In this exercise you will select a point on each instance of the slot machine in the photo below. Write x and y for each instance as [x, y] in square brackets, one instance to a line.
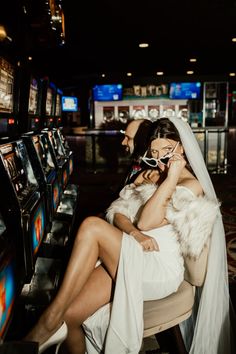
[22, 201]
[18, 300]
[61, 140]
[62, 160]
[47, 177]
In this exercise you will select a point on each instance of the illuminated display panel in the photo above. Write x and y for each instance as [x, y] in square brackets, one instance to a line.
[6, 86]
[7, 294]
[58, 105]
[16, 161]
[33, 97]
[71, 165]
[55, 195]
[69, 104]
[49, 101]
[111, 92]
[185, 90]
[65, 177]
[38, 225]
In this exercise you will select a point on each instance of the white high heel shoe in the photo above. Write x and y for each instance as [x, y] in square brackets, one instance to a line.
[56, 339]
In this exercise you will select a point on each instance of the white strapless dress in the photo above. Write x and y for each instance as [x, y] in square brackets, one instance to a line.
[141, 276]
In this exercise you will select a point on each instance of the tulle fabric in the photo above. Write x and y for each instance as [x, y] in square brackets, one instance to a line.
[207, 331]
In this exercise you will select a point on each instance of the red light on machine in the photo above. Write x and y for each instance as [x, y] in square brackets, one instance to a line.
[11, 121]
[36, 120]
[51, 119]
[59, 119]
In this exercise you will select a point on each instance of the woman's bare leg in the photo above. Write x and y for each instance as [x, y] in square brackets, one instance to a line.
[95, 239]
[95, 293]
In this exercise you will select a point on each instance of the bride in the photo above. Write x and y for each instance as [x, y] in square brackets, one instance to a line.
[144, 261]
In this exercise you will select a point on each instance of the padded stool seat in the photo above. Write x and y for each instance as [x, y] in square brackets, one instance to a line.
[162, 314]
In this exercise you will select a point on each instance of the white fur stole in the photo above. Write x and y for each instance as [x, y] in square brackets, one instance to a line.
[193, 218]
[130, 202]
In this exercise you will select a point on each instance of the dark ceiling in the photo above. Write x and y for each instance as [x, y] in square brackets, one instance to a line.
[103, 36]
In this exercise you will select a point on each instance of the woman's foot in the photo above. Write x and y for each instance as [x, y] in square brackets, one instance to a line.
[41, 332]
[56, 339]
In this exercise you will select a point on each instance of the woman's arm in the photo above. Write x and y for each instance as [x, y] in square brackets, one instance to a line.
[124, 224]
[154, 211]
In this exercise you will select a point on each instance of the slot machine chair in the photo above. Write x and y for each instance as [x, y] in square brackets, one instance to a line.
[163, 314]
[169, 312]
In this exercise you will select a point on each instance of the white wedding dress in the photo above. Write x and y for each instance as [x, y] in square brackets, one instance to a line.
[117, 328]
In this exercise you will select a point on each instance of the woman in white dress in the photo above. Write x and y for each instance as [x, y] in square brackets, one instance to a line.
[144, 261]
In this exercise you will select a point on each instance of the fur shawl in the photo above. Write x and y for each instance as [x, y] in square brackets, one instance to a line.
[192, 217]
[130, 202]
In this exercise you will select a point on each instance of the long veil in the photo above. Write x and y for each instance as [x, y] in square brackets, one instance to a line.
[207, 331]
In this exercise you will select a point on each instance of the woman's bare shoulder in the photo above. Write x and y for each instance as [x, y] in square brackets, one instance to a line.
[194, 185]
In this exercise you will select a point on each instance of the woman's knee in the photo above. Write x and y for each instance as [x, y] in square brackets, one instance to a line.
[91, 226]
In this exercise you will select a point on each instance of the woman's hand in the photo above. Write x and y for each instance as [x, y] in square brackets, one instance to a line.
[148, 243]
[147, 176]
[175, 165]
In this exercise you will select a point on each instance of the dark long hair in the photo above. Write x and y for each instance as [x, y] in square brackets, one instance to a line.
[141, 139]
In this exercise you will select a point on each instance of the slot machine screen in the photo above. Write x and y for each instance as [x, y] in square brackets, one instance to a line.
[55, 195]
[38, 225]
[16, 161]
[49, 101]
[43, 154]
[33, 97]
[7, 293]
[58, 105]
[6, 86]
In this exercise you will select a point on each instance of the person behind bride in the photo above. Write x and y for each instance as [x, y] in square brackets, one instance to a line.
[141, 256]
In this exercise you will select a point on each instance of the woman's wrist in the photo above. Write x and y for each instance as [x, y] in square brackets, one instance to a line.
[134, 232]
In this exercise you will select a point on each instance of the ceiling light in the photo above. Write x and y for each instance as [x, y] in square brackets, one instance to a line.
[232, 74]
[143, 45]
[190, 72]
[234, 39]
[160, 73]
[129, 74]
[103, 75]
[192, 60]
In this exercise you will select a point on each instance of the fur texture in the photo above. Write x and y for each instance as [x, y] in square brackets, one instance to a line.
[192, 217]
[130, 202]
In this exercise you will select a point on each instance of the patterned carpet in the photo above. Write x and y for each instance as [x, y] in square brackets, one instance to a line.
[225, 186]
